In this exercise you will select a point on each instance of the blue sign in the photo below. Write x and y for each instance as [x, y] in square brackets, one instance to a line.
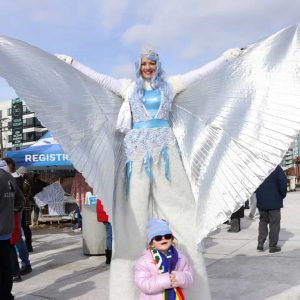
[92, 200]
[44, 153]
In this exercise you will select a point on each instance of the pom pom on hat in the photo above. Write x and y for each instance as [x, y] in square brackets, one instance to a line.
[157, 227]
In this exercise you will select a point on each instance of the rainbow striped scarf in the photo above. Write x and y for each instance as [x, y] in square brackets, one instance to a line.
[167, 264]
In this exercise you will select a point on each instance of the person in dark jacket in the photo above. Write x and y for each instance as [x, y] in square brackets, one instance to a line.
[18, 208]
[270, 195]
[26, 215]
[7, 203]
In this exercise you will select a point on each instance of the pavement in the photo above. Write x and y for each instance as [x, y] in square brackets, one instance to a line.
[235, 269]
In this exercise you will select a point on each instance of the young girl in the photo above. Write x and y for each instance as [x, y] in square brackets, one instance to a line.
[162, 271]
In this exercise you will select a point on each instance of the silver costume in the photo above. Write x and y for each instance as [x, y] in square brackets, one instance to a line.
[232, 124]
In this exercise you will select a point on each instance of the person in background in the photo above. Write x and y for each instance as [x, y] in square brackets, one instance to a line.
[36, 187]
[7, 202]
[103, 217]
[270, 195]
[78, 219]
[26, 215]
[18, 208]
[235, 220]
[20, 245]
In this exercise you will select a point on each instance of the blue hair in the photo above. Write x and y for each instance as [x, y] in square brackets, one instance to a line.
[157, 81]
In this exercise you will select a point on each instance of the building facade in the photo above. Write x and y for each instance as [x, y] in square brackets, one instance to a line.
[31, 128]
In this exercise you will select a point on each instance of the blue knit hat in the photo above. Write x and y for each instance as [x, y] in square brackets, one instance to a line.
[157, 227]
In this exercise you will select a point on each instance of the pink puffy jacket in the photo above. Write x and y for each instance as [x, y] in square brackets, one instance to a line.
[152, 283]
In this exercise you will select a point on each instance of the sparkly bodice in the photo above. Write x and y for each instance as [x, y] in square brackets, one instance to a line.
[153, 99]
[148, 141]
[144, 140]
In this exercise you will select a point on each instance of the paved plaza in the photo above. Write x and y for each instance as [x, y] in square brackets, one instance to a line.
[235, 269]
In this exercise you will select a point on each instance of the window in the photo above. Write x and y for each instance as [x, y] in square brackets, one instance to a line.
[28, 122]
[10, 138]
[9, 112]
[38, 135]
[28, 136]
[26, 110]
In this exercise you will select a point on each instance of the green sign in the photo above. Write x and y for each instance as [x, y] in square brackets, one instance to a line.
[17, 121]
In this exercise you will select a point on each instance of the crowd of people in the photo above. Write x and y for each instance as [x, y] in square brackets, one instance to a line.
[18, 213]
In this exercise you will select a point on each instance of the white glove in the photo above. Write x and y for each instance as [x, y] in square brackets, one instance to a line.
[67, 59]
[232, 53]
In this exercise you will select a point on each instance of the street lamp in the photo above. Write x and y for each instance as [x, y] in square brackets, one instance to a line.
[1, 140]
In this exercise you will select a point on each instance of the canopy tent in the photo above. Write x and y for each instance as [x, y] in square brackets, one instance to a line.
[45, 153]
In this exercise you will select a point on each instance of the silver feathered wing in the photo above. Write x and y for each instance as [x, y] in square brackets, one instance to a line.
[80, 113]
[235, 125]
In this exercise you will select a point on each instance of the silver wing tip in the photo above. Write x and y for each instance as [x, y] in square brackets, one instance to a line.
[5, 41]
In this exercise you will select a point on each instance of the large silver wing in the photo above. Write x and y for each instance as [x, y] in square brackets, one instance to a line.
[234, 126]
[80, 113]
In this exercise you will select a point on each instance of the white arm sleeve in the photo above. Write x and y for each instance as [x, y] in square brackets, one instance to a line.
[110, 83]
[192, 76]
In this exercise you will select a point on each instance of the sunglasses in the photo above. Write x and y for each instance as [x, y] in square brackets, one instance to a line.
[158, 238]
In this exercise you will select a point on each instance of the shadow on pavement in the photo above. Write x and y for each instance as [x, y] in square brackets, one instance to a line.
[255, 277]
[69, 286]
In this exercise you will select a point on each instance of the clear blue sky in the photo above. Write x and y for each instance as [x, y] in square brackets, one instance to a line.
[108, 35]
